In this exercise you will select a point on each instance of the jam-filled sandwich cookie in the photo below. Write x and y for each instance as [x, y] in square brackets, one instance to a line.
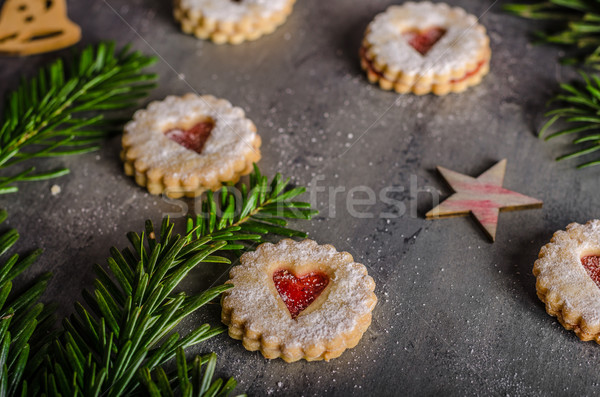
[425, 47]
[568, 278]
[298, 300]
[186, 145]
[231, 21]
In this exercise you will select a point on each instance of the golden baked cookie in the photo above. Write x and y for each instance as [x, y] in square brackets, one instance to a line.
[568, 278]
[231, 21]
[425, 47]
[186, 145]
[298, 300]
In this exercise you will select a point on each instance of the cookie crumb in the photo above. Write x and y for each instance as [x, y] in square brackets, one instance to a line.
[55, 190]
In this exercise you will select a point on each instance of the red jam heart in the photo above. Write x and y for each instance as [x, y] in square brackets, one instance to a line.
[194, 138]
[592, 265]
[424, 40]
[299, 292]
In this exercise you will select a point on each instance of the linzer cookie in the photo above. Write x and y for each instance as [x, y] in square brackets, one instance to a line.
[425, 47]
[298, 300]
[231, 21]
[568, 278]
[186, 145]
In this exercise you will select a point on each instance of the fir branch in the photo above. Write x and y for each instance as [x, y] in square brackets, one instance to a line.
[188, 380]
[119, 339]
[244, 217]
[578, 108]
[56, 112]
[24, 322]
[574, 23]
[129, 317]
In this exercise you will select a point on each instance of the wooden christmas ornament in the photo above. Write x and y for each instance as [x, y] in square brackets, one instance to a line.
[36, 26]
[483, 197]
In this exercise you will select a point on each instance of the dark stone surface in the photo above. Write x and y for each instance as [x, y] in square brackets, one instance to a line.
[456, 314]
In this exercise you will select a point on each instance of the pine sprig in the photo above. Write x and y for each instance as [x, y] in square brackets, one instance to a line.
[127, 325]
[243, 217]
[188, 380]
[24, 322]
[119, 338]
[61, 111]
[578, 108]
[574, 23]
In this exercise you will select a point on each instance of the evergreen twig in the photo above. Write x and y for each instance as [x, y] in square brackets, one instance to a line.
[188, 380]
[574, 23]
[578, 106]
[119, 339]
[128, 322]
[244, 217]
[61, 110]
[24, 322]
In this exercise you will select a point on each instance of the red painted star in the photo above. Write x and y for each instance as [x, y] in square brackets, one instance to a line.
[483, 197]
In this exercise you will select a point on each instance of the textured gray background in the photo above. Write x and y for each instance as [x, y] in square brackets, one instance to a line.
[456, 314]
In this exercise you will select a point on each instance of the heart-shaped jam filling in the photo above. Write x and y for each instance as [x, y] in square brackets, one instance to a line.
[299, 292]
[424, 40]
[591, 263]
[193, 138]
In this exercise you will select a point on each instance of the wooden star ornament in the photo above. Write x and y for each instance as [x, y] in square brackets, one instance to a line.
[483, 197]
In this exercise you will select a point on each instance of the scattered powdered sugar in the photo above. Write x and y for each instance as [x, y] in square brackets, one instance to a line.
[55, 190]
[256, 303]
[231, 138]
[563, 278]
[462, 43]
[229, 10]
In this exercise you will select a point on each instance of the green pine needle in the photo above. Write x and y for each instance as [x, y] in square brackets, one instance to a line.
[25, 323]
[126, 325]
[61, 110]
[578, 110]
[244, 217]
[573, 23]
[188, 380]
[117, 341]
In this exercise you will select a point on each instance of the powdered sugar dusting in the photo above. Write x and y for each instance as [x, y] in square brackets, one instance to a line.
[349, 294]
[231, 138]
[562, 277]
[228, 10]
[462, 43]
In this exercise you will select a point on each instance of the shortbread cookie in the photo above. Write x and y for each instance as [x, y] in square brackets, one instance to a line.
[186, 145]
[568, 278]
[298, 300]
[425, 47]
[231, 21]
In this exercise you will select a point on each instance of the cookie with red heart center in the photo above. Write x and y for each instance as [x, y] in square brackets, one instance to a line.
[425, 47]
[298, 300]
[186, 145]
[231, 21]
[568, 278]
